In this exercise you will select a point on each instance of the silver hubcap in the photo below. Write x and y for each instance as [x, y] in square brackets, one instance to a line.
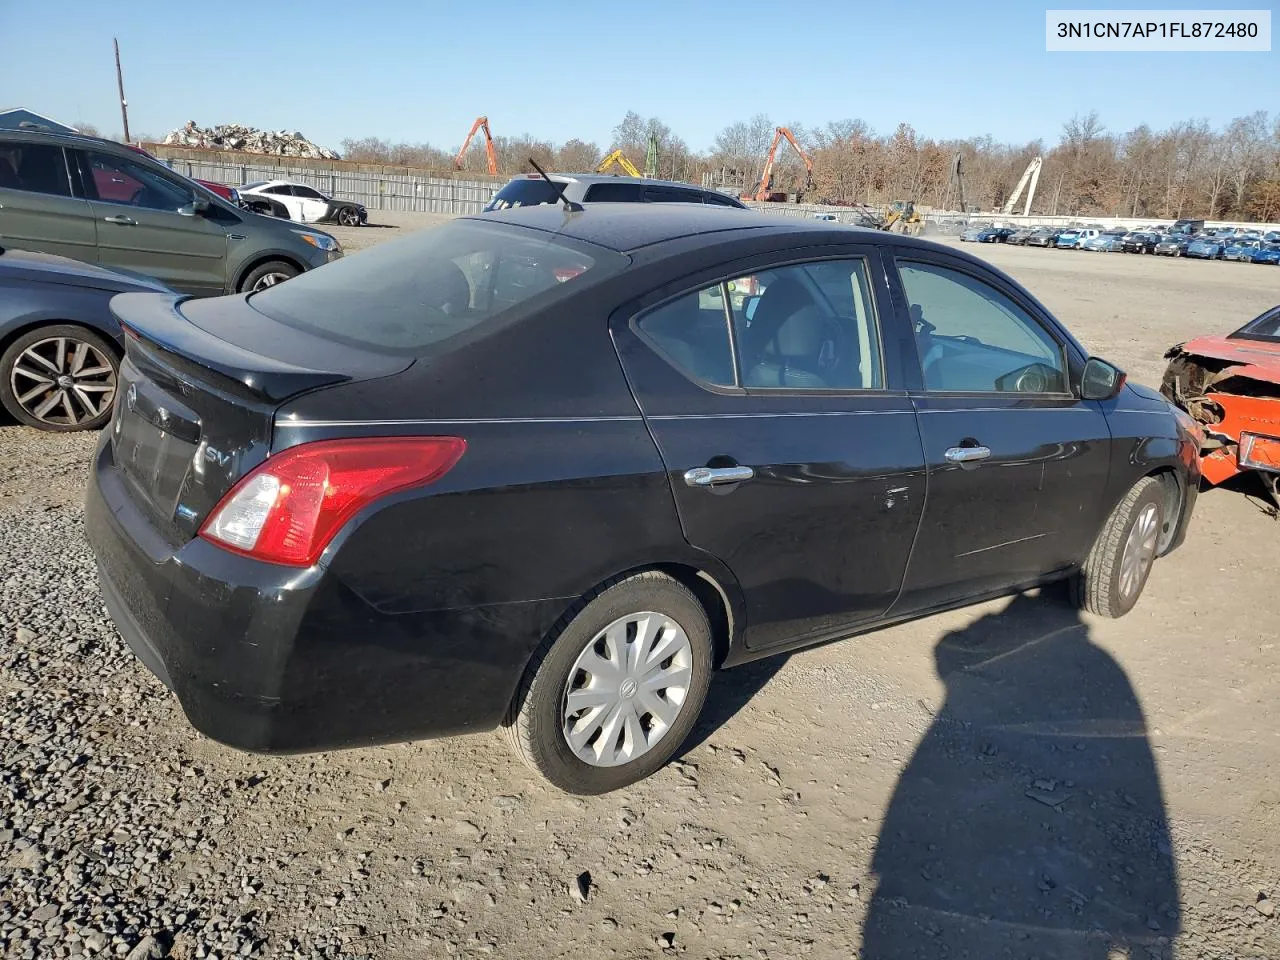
[269, 280]
[348, 218]
[626, 689]
[63, 381]
[1139, 550]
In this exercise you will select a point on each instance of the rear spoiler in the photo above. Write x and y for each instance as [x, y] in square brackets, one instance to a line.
[155, 321]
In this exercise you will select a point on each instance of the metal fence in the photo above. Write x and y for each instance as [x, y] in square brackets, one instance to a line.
[409, 193]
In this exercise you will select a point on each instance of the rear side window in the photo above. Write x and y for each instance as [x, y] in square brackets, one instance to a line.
[808, 326]
[416, 295]
[671, 195]
[721, 200]
[36, 167]
[614, 193]
[524, 193]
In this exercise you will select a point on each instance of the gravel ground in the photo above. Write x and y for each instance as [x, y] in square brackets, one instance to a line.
[884, 794]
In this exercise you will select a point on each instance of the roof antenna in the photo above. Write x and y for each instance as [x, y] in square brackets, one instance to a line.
[569, 205]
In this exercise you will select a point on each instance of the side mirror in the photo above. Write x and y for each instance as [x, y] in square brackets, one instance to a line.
[1100, 380]
[195, 208]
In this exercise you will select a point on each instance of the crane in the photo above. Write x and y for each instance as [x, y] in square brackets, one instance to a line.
[621, 160]
[482, 123]
[1032, 173]
[762, 192]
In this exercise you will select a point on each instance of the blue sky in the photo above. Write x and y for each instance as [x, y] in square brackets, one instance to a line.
[421, 71]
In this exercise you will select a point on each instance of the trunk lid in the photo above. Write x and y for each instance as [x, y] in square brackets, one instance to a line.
[197, 396]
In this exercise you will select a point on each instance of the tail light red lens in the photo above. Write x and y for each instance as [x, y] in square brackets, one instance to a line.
[290, 508]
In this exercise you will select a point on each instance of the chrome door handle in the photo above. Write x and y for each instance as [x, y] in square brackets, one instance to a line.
[715, 476]
[967, 454]
[123, 221]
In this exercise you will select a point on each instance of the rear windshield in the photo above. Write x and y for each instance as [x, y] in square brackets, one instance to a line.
[420, 294]
[1265, 327]
[524, 193]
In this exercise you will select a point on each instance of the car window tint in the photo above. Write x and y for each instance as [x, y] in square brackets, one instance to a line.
[973, 338]
[720, 200]
[279, 191]
[37, 167]
[671, 195]
[807, 326]
[693, 333]
[613, 193]
[525, 193]
[417, 295]
[306, 193]
[119, 180]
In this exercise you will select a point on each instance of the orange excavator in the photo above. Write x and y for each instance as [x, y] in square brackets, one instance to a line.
[763, 189]
[482, 123]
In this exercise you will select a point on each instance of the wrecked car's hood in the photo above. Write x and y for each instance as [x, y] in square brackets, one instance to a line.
[1261, 359]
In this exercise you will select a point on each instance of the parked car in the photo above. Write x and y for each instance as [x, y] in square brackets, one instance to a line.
[1272, 236]
[972, 233]
[1105, 243]
[531, 190]
[307, 204]
[995, 234]
[153, 221]
[1241, 248]
[1266, 253]
[1189, 227]
[1205, 247]
[1231, 386]
[1173, 245]
[1020, 236]
[1075, 238]
[1138, 241]
[1043, 237]
[334, 538]
[60, 347]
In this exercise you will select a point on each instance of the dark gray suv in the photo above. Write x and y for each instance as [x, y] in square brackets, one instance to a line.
[530, 190]
[101, 202]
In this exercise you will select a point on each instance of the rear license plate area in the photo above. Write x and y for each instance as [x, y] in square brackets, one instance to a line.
[154, 439]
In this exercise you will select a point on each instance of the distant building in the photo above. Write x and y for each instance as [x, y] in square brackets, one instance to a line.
[17, 118]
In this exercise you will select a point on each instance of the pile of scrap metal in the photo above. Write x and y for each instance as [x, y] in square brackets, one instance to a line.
[1231, 386]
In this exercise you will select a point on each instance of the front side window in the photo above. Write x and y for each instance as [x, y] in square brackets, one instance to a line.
[974, 339]
[614, 193]
[802, 326]
[35, 167]
[306, 193]
[118, 180]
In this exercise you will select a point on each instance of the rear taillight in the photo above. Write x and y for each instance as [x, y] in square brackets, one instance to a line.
[289, 508]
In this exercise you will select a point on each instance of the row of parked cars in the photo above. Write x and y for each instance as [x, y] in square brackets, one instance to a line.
[1227, 243]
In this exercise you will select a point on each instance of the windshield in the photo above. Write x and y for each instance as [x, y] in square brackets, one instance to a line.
[255, 184]
[412, 296]
[1265, 327]
[524, 193]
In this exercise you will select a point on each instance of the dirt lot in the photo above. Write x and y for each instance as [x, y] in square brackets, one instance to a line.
[1012, 780]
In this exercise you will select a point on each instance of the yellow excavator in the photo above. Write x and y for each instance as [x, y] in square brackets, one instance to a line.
[904, 213]
[621, 160]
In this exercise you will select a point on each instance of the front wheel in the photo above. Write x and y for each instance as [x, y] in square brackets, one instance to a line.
[349, 217]
[613, 693]
[267, 275]
[1120, 561]
[59, 378]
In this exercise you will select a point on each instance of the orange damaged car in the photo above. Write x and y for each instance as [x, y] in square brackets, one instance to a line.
[1231, 386]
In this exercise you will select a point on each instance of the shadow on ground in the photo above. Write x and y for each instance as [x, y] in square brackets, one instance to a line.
[731, 690]
[1030, 822]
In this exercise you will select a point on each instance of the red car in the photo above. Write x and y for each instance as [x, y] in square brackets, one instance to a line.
[1231, 386]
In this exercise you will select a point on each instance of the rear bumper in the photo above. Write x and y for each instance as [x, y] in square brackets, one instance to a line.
[274, 659]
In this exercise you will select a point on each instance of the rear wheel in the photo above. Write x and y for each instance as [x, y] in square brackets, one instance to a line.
[267, 275]
[614, 691]
[60, 378]
[1117, 567]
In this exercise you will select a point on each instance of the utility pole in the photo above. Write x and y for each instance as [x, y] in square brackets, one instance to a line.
[124, 105]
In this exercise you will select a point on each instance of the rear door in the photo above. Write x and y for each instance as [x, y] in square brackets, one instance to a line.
[773, 395]
[1018, 464]
[141, 229]
[38, 207]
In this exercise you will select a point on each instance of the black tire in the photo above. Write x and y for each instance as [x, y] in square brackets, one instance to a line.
[57, 420]
[257, 277]
[1097, 587]
[348, 217]
[535, 716]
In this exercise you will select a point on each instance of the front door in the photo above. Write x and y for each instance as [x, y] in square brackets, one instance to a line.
[791, 450]
[38, 210]
[1017, 463]
[141, 229]
[311, 203]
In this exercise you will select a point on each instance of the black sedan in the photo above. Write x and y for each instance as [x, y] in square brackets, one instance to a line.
[548, 470]
[1173, 245]
[1042, 237]
[60, 346]
[1139, 241]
